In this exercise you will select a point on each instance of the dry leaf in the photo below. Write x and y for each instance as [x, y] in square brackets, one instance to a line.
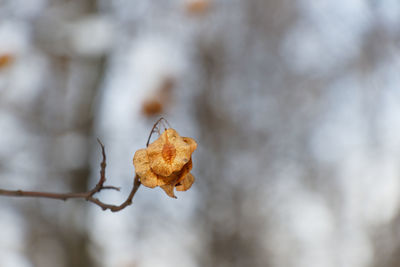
[152, 107]
[197, 7]
[6, 60]
[158, 102]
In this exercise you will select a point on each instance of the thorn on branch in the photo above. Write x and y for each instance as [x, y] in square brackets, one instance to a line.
[112, 187]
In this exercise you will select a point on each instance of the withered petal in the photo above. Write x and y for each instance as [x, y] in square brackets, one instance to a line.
[175, 177]
[162, 180]
[160, 167]
[141, 162]
[169, 153]
[186, 183]
[169, 190]
[191, 142]
[149, 180]
[142, 168]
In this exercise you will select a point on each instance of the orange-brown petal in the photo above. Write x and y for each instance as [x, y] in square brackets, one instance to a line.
[142, 169]
[186, 183]
[169, 153]
[191, 142]
[169, 190]
[159, 167]
[175, 177]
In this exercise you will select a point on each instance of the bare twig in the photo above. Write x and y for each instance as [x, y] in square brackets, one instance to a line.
[156, 129]
[89, 195]
[85, 195]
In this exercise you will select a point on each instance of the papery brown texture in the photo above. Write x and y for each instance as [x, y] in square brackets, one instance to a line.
[186, 183]
[142, 167]
[166, 162]
[168, 153]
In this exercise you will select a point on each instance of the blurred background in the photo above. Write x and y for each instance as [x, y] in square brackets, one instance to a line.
[295, 106]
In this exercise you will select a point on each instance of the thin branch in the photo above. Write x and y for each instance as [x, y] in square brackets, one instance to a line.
[88, 196]
[115, 208]
[156, 129]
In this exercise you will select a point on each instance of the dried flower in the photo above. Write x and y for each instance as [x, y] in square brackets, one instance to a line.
[166, 162]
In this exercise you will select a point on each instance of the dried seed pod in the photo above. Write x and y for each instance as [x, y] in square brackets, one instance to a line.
[169, 153]
[166, 162]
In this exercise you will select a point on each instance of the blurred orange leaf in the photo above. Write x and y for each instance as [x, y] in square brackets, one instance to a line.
[6, 60]
[157, 103]
[196, 7]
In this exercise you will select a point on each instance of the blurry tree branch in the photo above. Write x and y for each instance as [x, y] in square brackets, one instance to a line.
[88, 196]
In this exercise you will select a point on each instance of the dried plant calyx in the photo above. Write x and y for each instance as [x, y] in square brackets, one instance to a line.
[166, 162]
